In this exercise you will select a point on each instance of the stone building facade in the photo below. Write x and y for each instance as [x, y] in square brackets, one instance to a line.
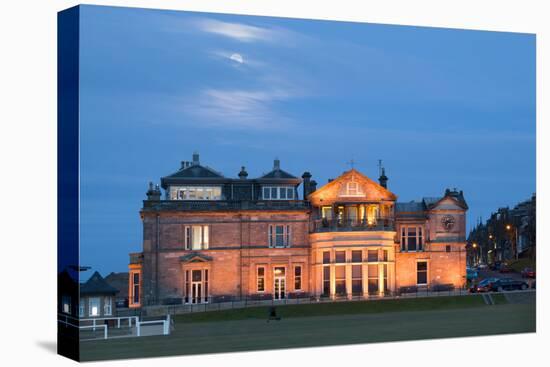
[210, 238]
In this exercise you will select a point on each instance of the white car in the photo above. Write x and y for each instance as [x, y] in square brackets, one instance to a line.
[482, 266]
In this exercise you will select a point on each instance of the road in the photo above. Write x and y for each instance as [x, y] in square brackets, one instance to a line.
[486, 273]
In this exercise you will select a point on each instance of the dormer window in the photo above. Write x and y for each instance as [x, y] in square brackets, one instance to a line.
[277, 193]
[195, 193]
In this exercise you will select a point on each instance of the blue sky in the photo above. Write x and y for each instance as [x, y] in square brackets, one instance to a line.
[442, 108]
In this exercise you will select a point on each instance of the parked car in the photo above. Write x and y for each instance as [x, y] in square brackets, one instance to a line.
[483, 286]
[528, 273]
[471, 274]
[505, 269]
[508, 284]
[495, 266]
[482, 266]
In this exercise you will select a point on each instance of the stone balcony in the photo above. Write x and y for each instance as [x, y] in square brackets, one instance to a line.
[349, 225]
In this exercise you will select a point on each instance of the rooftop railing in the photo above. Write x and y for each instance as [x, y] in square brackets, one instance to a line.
[176, 205]
[347, 225]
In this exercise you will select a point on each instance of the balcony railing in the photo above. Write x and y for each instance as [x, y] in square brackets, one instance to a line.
[347, 225]
[177, 205]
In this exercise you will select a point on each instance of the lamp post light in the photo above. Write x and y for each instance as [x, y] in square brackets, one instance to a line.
[474, 246]
[515, 240]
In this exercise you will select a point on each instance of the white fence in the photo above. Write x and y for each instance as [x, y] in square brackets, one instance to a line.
[133, 322]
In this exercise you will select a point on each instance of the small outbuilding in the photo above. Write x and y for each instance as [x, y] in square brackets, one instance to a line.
[97, 298]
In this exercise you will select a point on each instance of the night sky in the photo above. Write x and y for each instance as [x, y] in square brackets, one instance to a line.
[442, 108]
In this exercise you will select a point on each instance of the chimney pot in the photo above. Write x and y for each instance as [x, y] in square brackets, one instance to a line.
[195, 159]
[276, 164]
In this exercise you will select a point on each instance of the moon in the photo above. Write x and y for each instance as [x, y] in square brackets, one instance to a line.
[237, 58]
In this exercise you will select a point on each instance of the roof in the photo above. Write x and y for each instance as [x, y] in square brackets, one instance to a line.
[278, 173]
[97, 285]
[429, 201]
[196, 171]
[118, 281]
[413, 206]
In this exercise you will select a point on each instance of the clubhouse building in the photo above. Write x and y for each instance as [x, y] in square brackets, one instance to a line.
[209, 238]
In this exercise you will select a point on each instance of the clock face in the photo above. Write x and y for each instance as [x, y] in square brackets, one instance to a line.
[448, 222]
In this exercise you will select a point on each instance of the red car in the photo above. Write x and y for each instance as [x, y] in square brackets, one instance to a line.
[528, 273]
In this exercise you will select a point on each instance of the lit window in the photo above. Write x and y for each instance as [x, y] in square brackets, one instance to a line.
[66, 304]
[260, 286]
[196, 237]
[326, 212]
[94, 304]
[277, 193]
[195, 193]
[279, 236]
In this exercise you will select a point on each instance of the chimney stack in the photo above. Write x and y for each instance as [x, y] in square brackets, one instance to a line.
[153, 193]
[383, 179]
[243, 174]
[276, 164]
[312, 186]
[195, 159]
[307, 183]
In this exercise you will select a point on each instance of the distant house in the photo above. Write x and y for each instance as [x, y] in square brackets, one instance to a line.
[120, 282]
[97, 298]
[67, 293]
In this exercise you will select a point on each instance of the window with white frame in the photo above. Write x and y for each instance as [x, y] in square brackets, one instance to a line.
[412, 238]
[93, 306]
[66, 304]
[195, 193]
[108, 306]
[279, 235]
[197, 237]
[278, 193]
[260, 279]
[422, 273]
[135, 288]
[353, 189]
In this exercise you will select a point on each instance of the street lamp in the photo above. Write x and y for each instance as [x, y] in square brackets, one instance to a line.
[474, 245]
[509, 227]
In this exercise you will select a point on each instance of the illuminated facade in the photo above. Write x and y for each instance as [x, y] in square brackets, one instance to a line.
[210, 238]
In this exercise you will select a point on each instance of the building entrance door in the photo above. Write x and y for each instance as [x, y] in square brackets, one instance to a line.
[196, 286]
[279, 282]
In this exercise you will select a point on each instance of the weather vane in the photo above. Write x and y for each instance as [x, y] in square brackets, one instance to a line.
[351, 163]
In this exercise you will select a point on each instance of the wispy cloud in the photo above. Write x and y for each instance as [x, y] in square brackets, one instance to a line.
[238, 31]
[239, 109]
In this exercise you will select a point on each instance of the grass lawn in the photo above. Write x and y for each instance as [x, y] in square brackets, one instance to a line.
[338, 308]
[340, 323]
